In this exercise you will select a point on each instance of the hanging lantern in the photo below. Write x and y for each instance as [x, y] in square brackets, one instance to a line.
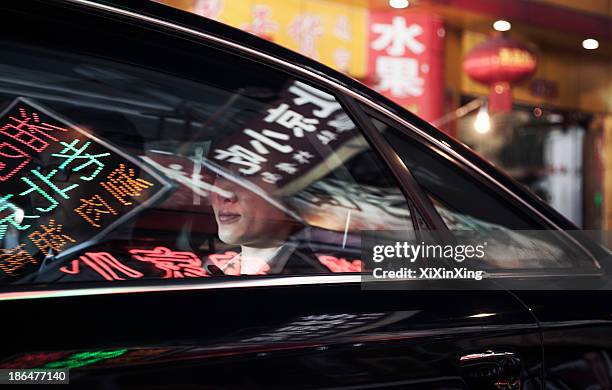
[500, 62]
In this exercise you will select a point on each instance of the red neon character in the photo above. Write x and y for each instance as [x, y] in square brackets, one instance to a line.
[104, 264]
[340, 265]
[19, 134]
[122, 184]
[29, 129]
[175, 264]
[12, 159]
[32, 360]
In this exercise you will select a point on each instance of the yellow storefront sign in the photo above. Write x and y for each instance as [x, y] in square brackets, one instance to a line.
[330, 31]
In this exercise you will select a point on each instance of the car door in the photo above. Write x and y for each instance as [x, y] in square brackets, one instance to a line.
[568, 296]
[109, 239]
[574, 315]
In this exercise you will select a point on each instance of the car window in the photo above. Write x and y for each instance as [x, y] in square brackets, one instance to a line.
[515, 239]
[111, 171]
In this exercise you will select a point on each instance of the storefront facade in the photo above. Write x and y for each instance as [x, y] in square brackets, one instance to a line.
[559, 128]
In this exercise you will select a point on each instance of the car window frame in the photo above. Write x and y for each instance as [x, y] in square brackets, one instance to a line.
[596, 270]
[406, 183]
[347, 98]
[397, 168]
[299, 72]
[326, 83]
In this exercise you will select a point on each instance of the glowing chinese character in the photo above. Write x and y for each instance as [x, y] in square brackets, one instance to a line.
[12, 159]
[395, 37]
[237, 154]
[50, 238]
[47, 180]
[15, 218]
[14, 259]
[266, 138]
[93, 209]
[29, 129]
[400, 76]
[326, 137]
[174, 264]
[289, 168]
[122, 184]
[302, 156]
[305, 29]
[342, 123]
[18, 133]
[291, 120]
[81, 155]
[270, 177]
[340, 265]
[105, 264]
[309, 95]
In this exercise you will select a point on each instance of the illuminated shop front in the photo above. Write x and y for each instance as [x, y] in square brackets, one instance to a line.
[546, 111]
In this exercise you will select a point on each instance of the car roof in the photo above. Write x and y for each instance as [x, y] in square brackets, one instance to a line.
[225, 32]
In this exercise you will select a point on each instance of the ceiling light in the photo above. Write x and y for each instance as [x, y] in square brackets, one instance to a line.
[482, 124]
[502, 25]
[399, 3]
[590, 44]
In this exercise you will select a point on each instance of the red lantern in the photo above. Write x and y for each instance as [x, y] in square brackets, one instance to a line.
[499, 63]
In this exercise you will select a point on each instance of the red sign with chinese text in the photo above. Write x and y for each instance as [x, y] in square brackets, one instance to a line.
[405, 60]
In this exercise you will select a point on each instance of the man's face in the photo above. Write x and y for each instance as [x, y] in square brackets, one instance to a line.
[247, 219]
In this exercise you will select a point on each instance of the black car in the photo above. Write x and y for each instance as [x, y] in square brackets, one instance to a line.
[183, 206]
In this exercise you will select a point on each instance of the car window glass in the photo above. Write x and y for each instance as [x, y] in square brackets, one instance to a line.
[113, 172]
[467, 205]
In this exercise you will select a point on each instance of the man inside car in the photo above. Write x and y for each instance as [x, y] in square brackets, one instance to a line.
[261, 228]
